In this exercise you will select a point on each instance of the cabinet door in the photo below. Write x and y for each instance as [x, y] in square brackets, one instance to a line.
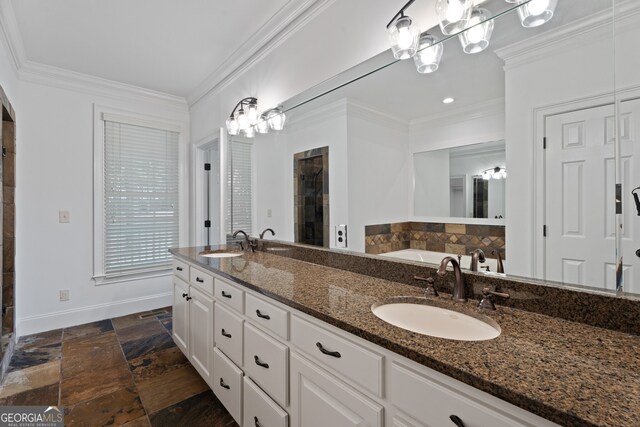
[179, 328]
[201, 333]
[320, 400]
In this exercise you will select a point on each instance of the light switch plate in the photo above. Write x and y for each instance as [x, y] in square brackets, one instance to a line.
[63, 217]
[341, 236]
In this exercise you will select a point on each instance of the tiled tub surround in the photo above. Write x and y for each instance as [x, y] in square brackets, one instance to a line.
[459, 239]
[570, 373]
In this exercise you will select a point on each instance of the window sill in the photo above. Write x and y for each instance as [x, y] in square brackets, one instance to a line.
[132, 276]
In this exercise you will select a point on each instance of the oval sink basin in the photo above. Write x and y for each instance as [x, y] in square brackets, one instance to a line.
[221, 254]
[437, 322]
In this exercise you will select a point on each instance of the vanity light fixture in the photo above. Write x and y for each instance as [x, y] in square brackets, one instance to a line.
[246, 119]
[448, 100]
[535, 12]
[404, 34]
[494, 173]
[428, 57]
[453, 15]
[477, 37]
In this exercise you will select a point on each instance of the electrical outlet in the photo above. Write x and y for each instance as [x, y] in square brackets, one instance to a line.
[341, 236]
[63, 217]
[64, 294]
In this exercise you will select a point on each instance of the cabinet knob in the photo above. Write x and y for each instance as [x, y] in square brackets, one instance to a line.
[179, 268]
[456, 420]
[259, 363]
[225, 334]
[184, 295]
[188, 298]
[257, 423]
[226, 295]
[262, 316]
[199, 280]
[327, 352]
[223, 385]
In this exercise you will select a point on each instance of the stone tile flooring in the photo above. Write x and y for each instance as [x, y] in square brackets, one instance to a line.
[123, 371]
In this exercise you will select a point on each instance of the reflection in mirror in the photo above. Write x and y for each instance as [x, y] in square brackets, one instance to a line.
[467, 181]
[538, 90]
[311, 196]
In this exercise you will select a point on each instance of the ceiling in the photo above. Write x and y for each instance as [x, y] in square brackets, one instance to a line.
[164, 45]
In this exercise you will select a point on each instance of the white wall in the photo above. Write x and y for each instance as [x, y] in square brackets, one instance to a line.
[8, 74]
[431, 183]
[55, 172]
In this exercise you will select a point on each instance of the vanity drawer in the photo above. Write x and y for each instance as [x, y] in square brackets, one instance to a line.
[227, 384]
[260, 410]
[425, 398]
[228, 333]
[337, 354]
[202, 280]
[266, 361]
[230, 295]
[181, 269]
[268, 315]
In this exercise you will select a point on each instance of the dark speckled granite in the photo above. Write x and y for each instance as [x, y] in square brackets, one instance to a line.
[568, 372]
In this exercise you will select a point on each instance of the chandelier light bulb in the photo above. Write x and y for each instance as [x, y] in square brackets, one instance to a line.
[249, 132]
[477, 37]
[276, 118]
[428, 57]
[252, 113]
[242, 119]
[262, 126]
[232, 126]
[453, 15]
[455, 11]
[536, 12]
[404, 36]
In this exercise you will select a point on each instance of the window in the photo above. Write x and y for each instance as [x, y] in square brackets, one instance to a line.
[137, 201]
[239, 187]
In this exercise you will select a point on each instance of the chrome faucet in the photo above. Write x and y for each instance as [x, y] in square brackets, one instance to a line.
[250, 243]
[499, 259]
[476, 256]
[273, 233]
[458, 285]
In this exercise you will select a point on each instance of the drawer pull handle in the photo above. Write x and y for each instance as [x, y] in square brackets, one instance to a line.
[259, 363]
[327, 352]
[456, 420]
[179, 268]
[188, 298]
[255, 419]
[184, 295]
[225, 334]
[223, 385]
[226, 295]
[262, 316]
[199, 280]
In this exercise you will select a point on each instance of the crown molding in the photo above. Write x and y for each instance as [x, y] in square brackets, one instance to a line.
[567, 36]
[48, 75]
[284, 24]
[493, 107]
[9, 29]
[358, 110]
[317, 115]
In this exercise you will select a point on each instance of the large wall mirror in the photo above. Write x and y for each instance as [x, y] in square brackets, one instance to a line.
[537, 103]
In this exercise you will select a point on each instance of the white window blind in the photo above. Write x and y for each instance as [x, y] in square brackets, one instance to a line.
[239, 188]
[141, 197]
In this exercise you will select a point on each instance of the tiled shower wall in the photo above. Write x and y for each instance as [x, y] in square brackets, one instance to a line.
[459, 239]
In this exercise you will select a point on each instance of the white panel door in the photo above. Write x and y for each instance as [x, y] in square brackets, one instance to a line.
[180, 329]
[580, 202]
[630, 170]
[201, 333]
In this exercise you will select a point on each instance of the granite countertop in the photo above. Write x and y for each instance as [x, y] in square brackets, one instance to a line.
[568, 372]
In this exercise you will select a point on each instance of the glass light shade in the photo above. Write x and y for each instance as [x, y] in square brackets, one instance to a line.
[252, 113]
[276, 119]
[453, 15]
[429, 55]
[404, 35]
[242, 119]
[476, 39]
[249, 132]
[262, 126]
[232, 126]
[486, 175]
[536, 12]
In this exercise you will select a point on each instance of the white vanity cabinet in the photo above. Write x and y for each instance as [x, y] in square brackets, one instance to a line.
[193, 317]
[275, 366]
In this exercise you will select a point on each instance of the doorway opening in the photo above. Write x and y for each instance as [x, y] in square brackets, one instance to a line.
[311, 196]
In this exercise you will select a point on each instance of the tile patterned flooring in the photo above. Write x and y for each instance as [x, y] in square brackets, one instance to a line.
[124, 371]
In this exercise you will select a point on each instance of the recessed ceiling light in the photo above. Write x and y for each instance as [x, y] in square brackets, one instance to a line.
[448, 100]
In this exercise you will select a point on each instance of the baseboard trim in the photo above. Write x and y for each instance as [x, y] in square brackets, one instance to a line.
[78, 316]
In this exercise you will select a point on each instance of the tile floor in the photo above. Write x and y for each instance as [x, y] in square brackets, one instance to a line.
[123, 371]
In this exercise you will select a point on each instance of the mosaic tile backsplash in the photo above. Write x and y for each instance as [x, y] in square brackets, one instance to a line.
[459, 239]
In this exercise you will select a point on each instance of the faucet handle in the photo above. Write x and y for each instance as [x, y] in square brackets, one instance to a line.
[430, 290]
[487, 298]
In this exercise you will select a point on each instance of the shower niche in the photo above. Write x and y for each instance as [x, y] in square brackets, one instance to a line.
[311, 196]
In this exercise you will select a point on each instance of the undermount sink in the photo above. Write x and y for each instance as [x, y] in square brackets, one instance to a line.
[220, 254]
[437, 322]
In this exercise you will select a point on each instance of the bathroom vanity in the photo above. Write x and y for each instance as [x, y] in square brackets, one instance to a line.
[283, 341]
